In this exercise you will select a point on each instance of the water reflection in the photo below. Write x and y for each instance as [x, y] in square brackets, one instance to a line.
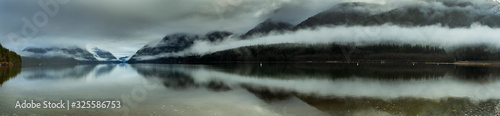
[7, 72]
[477, 73]
[66, 71]
[392, 90]
[379, 71]
[403, 71]
[270, 89]
[324, 80]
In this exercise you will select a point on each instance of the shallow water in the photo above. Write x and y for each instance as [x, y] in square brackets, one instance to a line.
[251, 89]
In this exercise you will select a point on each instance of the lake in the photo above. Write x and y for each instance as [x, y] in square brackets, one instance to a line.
[299, 89]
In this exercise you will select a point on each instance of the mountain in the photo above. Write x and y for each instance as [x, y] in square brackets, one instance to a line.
[103, 55]
[176, 43]
[77, 53]
[267, 27]
[217, 36]
[8, 57]
[452, 14]
[170, 43]
[73, 52]
[446, 13]
[340, 14]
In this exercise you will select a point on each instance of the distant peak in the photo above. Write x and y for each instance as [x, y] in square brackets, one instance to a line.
[268, 26]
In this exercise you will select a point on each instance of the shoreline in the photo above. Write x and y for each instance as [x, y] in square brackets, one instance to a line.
[468, 63]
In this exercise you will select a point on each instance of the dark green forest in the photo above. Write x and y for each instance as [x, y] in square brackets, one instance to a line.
[343, 53]
[10, 64]
[329, 52]
[8, 57]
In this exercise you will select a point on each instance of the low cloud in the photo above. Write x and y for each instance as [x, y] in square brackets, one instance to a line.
[359, 35]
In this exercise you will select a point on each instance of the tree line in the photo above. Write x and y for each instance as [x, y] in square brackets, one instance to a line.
[9, 57]
[390, 52]
[288, 52]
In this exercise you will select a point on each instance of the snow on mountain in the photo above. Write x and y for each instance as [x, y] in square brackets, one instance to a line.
[77, 53]
[101, 55]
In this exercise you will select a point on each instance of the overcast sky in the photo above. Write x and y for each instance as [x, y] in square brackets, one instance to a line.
[124, 26]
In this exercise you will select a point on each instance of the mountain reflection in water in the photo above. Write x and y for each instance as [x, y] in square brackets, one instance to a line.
[270, 89]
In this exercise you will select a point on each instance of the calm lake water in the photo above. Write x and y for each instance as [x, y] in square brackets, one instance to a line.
[255, 90]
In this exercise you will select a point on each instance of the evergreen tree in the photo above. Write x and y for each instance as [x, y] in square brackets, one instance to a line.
[9, 57]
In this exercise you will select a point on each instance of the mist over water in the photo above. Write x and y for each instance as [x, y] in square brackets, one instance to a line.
[434, 35]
